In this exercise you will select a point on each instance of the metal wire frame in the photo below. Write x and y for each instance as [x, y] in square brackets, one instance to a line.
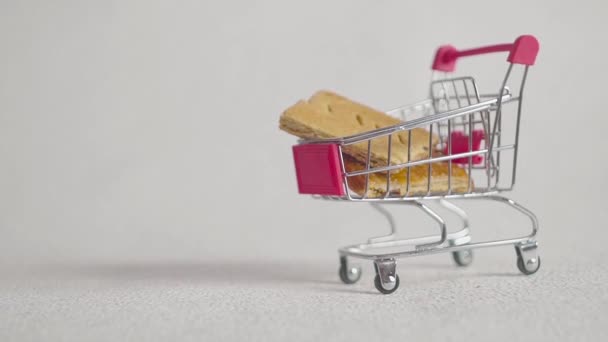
[443, 242]
[430, 121]
[464, 111]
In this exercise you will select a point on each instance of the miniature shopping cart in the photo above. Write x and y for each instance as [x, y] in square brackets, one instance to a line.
[476, 132]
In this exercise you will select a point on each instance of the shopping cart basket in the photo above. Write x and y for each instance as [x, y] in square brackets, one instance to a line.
[475, 132]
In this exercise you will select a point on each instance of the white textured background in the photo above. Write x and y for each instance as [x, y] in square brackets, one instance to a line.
[146, 192]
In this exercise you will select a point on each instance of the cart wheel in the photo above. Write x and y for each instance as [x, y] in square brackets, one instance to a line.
[530, 266]
[384, 290]
[463, 258]
[349, 274]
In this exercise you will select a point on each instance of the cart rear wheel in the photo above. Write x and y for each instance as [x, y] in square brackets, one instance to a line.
[384, 290]
[463, 258]
[530, 266]
[349, 274]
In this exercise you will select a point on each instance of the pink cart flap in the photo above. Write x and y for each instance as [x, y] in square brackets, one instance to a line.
[318, 169]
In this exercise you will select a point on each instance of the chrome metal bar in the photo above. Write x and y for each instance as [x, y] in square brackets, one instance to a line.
[409, 169]
[411, 107]
[367, 166]
[424, 161]
[388, 172]
[468, 97]
[464, 231]
[497, 122]
[449, 154]
[467, 94]
[498, 143]
[445, 97]
[355, 251]
[484, 96]
[439, 220]
[417, 123]
[455, 124]
[470, 164]
[413, 242]
[457, 96]
[423, 246]
[391, 222]
[457, 78]
[488, 160]
[430, 157]
[403, 199]
[519, 105]
[521, 209]
[344, 175]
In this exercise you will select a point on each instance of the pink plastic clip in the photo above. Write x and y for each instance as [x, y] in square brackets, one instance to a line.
[460, 144]
[319, 169]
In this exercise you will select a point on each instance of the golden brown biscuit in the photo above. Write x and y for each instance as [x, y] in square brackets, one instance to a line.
[329, 115]
[418, 180]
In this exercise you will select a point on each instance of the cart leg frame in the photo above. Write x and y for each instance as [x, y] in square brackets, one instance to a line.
[458, 243]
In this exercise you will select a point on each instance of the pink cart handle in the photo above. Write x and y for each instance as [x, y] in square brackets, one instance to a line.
[522, 51]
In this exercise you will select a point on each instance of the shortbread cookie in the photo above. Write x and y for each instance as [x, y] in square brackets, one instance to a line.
[418, 181]
[328, 115]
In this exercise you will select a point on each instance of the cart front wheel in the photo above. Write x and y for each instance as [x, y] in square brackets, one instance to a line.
[529, 266]
[463, 258]
[386, 289]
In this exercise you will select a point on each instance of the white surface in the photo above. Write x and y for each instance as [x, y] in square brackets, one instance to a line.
[127, 129]
[223, 301]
